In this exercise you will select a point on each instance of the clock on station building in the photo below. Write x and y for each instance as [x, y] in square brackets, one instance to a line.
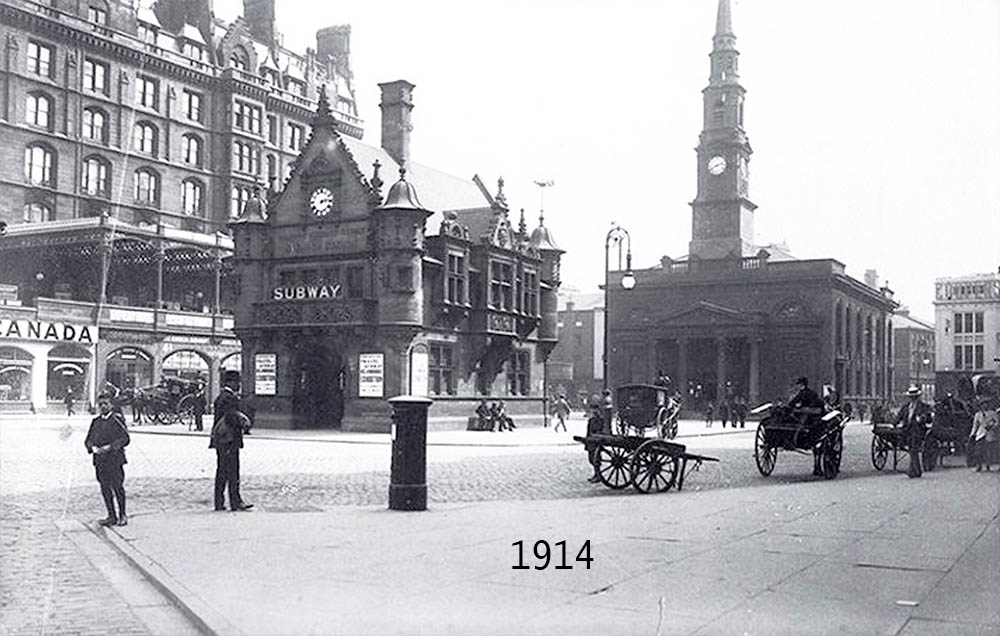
[321, 201]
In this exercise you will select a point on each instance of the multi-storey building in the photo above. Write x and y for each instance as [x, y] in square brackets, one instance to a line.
[731, 318]
[347, 296]
[967, 322]
[913, 355]
[575, 368]
[131, 136]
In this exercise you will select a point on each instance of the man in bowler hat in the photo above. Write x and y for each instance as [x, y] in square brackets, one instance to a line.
[227, 439]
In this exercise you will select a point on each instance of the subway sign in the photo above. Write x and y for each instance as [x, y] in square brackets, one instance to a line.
[305, 292]
[46, 331]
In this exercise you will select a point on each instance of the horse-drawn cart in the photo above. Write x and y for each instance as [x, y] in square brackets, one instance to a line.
[648, 464]
[172, 401]
[647, 406]
[802, 431]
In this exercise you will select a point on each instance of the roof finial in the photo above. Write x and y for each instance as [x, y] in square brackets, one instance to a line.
[377, 180]
[323, 116]
[501, 198]
[402, 172]
[522, 227]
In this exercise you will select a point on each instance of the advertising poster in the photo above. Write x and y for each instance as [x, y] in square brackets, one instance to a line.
[371, 374]
[265, 374]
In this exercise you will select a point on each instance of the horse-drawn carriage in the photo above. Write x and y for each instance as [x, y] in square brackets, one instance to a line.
[647, 406]
[648, 464]
[888, 437]
[799, 430]
[172, 401]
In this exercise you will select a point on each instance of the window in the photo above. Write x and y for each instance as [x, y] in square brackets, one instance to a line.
[146, 92]
[37, 213]
[147, 33]
[94, 125]
[272, 168]
[238, 59]
[98, 14]
[719, 114]
[441, 369]
[355, 281]
[95, 177]
[191, 150]
[191, 195]
[246, 117]
[36, 110]
[272, 130]
[519, 373]
[95, 76]
[968, 323]
[192, 105]
[530, 293]
[501, 286]
[295, 137]
[193, 50]
[40, 59]
[39, 165]
[246, 158]
[454, 291]
[238, 200]
[969, 357]
[147, 187]
[144, 138]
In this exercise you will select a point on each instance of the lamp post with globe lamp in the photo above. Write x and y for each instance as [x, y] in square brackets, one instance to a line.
[616, 235]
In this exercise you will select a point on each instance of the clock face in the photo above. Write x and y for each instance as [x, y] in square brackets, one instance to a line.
[717, 165]
[321, 201]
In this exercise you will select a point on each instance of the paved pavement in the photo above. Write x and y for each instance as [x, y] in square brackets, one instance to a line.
[880, 554]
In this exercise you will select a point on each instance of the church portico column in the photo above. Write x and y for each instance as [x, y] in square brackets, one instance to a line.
[754, 396]
[682, 369]
[720, 368]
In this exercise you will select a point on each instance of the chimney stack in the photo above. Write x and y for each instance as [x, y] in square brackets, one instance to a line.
[871, 278]
[397, 105]
[259, 15]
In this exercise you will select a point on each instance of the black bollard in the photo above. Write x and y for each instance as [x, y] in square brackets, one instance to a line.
[408, 478]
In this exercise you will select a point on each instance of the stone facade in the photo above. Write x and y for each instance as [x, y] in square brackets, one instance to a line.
[967, 329]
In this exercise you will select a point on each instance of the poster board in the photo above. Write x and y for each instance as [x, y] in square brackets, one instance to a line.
[265, 374]
[371, 375]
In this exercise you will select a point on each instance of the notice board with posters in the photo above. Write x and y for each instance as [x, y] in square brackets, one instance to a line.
[265, 374]
[371, 375]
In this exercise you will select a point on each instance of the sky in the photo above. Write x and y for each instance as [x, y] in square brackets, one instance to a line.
[875, 124]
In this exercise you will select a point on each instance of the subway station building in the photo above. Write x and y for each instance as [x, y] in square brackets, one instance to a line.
[347, 296]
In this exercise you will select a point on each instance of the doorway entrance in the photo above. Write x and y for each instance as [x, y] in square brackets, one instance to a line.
[318, 398]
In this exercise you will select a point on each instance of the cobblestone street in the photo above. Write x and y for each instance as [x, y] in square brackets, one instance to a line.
[47, 588]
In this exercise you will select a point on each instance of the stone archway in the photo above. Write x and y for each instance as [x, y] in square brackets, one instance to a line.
[318, 391]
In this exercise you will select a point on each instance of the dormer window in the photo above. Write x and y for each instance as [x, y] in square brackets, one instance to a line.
[455, 276]
[97, 13]
[193, 50]
[146, 33]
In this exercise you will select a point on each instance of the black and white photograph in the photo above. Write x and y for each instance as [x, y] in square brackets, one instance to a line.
[482, 318]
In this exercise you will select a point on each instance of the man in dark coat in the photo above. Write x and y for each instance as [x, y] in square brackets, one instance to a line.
[106, 440]
[199, 406]
[807, 406]
[914, 417]
[227, 440]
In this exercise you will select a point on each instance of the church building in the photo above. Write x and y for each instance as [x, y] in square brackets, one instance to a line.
[349, 292]
[736, 319]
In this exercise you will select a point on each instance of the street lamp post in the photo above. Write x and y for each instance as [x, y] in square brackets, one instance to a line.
[617, 235]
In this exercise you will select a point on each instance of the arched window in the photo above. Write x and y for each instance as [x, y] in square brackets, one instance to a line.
[40, 165]
[97, 12]
[147, 187]
[238, 59]
[191, 149]
[96, 171]
[37, 108]
[191, 193]
[144, 138]
[95, 125]
[37, 213]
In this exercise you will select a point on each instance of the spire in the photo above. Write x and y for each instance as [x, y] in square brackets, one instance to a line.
[522, 227]
[323, 116]
[723, 20]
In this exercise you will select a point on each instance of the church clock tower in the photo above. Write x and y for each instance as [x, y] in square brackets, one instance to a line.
[722, 215]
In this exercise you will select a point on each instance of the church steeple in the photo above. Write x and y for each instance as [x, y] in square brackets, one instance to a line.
[722, 215]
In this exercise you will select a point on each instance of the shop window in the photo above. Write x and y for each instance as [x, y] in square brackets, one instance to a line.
[15, 375]
[68, 365]
[519, 373]
[95, 125]
[40, 58]
[187, 365]
[441, 369]
[129, 368]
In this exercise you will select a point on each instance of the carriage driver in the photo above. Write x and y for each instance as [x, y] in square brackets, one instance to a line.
[807, 405]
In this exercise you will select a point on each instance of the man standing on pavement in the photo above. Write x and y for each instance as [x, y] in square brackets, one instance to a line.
[106, 440]
[561, 409]
[914, 418]
[227, 440]
[199, 406]
[69, 400]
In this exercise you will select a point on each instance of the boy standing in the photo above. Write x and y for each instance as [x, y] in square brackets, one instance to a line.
[106, 441]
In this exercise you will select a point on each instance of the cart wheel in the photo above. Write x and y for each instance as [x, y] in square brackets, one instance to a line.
[932, 450]
[880, 452]
[765, 455]
[833, 449]
[185, 411]
[613, 466]
[654, 467]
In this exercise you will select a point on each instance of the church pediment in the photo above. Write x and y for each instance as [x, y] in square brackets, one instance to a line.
[704, 313]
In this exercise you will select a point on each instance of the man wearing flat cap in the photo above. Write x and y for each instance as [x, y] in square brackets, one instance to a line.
[914, 418]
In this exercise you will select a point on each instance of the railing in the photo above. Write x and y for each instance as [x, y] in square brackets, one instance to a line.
[126, 316]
